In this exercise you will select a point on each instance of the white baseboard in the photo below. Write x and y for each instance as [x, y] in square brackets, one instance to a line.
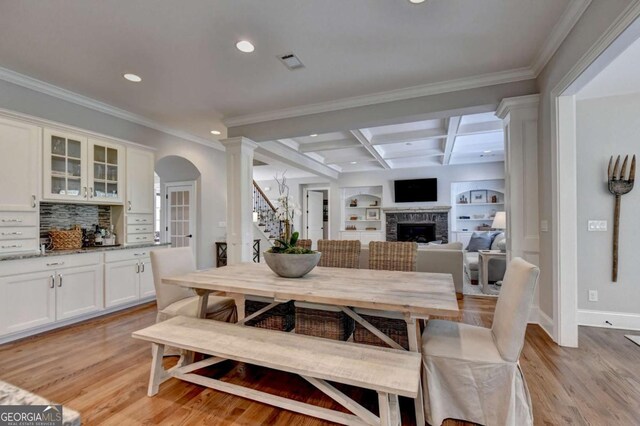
[618, 320]
[537, 316]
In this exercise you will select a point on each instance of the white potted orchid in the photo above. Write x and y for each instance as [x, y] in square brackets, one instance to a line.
[285, 258]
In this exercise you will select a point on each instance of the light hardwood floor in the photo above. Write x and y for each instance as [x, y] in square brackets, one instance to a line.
[97, 369]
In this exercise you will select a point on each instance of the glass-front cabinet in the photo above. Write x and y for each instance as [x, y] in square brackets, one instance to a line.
[65, 176]
[77, 168]
[105, 171]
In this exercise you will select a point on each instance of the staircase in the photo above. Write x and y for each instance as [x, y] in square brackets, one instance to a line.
[268, 221]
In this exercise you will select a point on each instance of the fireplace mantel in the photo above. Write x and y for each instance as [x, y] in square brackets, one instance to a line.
[435, 209]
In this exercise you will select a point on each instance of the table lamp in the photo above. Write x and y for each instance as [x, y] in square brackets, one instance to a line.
[500, 222]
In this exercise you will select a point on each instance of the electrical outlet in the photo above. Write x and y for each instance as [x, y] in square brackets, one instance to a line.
[593, 295]
[544, 226]
[597, 226]
[222, 224]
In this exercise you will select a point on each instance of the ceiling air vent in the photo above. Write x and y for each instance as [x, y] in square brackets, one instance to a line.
[291, 61]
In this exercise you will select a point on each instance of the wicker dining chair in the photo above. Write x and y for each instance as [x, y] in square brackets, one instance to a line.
[388, 256]
[304, 244]
[323, 320]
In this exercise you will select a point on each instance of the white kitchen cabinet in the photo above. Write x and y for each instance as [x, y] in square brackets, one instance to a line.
[147, 288]
[78, 291]
[20, 145]
[121, 283]
[140, 173]
[65, 166]
[106, 171]
[128, 277]
[27, 301]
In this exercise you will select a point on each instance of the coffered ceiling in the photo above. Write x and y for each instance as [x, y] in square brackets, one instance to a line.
[477, 138]
[193, 76]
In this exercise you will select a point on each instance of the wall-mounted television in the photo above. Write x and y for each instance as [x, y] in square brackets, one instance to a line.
[415, 190]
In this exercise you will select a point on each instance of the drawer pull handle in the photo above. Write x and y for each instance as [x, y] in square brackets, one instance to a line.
[140, 254]
[12, 220]
[53, 281]
[85, 192]
[142, 265]
[137, 268]
[91, 192]
[12, 246]
[129, 205]
[12, 233]
[55, 263]
[59, 280]
[33, 201]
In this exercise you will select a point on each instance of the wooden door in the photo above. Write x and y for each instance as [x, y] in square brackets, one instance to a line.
[181, 209]
[20, 169]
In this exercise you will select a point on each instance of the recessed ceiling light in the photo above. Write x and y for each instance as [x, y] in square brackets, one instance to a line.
[313, 135]
[353, 162]
[416, 1]
[245, 46]
[216, 132]
[487, 152]
[132, 77]
[408, 143]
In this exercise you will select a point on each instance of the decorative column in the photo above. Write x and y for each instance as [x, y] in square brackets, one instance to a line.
[239, 153]
[520, 118]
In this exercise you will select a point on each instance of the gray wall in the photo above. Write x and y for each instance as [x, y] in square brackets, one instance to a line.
[607, 126]
[209, 161]
[593, 23]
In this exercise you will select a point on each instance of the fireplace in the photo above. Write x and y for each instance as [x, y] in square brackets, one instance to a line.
[418, 232]
[436, 218]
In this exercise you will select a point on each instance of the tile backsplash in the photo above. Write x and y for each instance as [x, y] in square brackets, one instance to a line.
[64, 216]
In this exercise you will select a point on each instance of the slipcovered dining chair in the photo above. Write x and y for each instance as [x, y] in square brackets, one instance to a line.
[472, 373]
[328, 321]
[387, 256]
[173, 300]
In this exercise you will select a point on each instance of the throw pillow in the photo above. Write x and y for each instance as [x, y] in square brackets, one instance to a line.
[480, 241]
[499, 241]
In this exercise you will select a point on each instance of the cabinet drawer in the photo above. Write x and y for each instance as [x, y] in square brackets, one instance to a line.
[139, 229]
[139, 219]
[18, 246]
[140, 238]
[17, 233]
[14, 219]
[132, 254]
[47, 263]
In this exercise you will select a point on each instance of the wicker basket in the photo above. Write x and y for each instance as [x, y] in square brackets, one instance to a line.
[396, 329]
[70, 239]
[281, 317]
[327, 324]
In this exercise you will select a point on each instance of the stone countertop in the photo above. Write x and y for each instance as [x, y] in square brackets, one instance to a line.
[96, 249]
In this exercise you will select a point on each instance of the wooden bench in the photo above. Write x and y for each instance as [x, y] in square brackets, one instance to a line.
[389, 372]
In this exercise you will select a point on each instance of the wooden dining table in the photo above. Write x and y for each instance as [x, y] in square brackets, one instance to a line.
[415, 295]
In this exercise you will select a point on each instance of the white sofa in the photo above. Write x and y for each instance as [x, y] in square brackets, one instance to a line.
[497, 267]
[444, 258]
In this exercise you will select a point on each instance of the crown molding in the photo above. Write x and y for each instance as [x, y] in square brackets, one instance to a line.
[483, 80]
[560, 31]
[75, 98]
[509, 104]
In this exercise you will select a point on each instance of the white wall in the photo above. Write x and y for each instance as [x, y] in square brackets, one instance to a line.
[607, 126]
[445, 175]
[209, 161]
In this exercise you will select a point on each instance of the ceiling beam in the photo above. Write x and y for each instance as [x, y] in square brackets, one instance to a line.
[421, 153]
[411, 136]
[366, 143]
[452, 131]
[287, 155]
[328, 145]
[475, 128]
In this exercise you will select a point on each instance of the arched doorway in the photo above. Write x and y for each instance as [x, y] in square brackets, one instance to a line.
[178, 213]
